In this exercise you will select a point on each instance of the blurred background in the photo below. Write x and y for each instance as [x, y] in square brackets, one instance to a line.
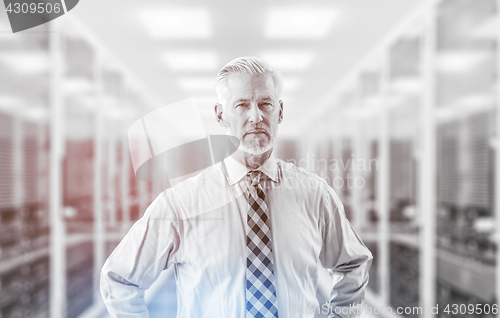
[394, 102]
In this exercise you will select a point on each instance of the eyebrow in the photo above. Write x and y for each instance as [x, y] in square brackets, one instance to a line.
[249, 99]
[242, 100]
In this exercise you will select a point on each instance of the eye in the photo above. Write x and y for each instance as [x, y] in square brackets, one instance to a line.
[266, 104]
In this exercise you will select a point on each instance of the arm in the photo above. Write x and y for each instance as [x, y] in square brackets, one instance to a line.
[148, 248]
[345, 254]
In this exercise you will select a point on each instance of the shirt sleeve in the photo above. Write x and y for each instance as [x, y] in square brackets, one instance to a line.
[147, 249]
[344, 253]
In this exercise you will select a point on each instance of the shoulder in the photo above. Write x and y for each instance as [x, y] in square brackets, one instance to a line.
[205, 178]
[199, 180]
[200, 193]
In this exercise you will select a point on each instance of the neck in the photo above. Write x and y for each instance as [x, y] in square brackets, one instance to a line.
[251, 161]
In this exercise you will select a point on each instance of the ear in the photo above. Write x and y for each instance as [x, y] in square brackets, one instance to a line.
[280, 118]
[218, 114]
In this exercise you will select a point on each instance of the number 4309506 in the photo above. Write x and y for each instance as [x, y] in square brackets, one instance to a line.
[33, 8]
[478, 309]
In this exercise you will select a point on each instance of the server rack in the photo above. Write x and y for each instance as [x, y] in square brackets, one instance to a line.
[68, 192]
[24, 238]
[432, 212]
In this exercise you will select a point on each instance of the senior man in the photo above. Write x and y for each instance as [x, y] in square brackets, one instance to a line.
[265, 251]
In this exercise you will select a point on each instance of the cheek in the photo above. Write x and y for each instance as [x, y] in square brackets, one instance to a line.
[236, 126]
[273, 120]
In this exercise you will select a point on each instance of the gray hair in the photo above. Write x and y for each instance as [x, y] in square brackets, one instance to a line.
[250, 66]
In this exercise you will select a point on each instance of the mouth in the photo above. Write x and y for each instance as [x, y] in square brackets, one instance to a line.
[257, 131]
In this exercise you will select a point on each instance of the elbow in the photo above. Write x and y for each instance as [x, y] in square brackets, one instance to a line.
[361, 262]
[104, 284]
[369, 259]
[110, 280]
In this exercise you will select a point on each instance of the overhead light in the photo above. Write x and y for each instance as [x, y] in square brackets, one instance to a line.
[459, 61]
[197, 83]
[37, 114]
[445, 113]
[191, 60]
[408, 84]
[26, 63]
[389, 100]
[465, 106]
[373, 100]
[16, 106]
[286, 60]
[484, 224]
[119, 112]
[476, 100]
[363, 112]
[92, 102]
[176, 23]
[487, 30]
[7, 101]
[74, 85]
[299, 22]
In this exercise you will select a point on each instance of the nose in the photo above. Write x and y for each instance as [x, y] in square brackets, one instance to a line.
[255, 113]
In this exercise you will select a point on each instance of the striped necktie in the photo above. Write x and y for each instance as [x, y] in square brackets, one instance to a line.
[261, 301]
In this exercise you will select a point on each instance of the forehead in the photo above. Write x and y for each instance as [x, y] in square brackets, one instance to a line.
[239, 83]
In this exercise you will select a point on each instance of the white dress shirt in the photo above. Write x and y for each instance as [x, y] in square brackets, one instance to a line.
[198, 226]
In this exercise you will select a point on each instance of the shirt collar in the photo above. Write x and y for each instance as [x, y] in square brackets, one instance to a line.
[236, 171]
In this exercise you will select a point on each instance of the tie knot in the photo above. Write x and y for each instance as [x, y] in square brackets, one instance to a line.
[255, 177]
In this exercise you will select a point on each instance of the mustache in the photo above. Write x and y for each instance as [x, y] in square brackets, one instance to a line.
[254, 127]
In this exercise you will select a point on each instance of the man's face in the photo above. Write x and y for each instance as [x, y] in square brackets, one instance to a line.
[252, 111]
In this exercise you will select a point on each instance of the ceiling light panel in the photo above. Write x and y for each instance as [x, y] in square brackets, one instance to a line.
[289, 60]
[299, 22]
[36, 114]
[74, 85]
[191, 60]
[10, 101]
[460, 61]
[410, 85]
[486, 31]
[26, 63]
[176, 23]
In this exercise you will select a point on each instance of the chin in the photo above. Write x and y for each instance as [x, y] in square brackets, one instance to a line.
[256, 148]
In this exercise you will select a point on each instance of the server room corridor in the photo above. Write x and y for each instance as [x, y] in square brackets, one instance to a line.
[394, 103]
